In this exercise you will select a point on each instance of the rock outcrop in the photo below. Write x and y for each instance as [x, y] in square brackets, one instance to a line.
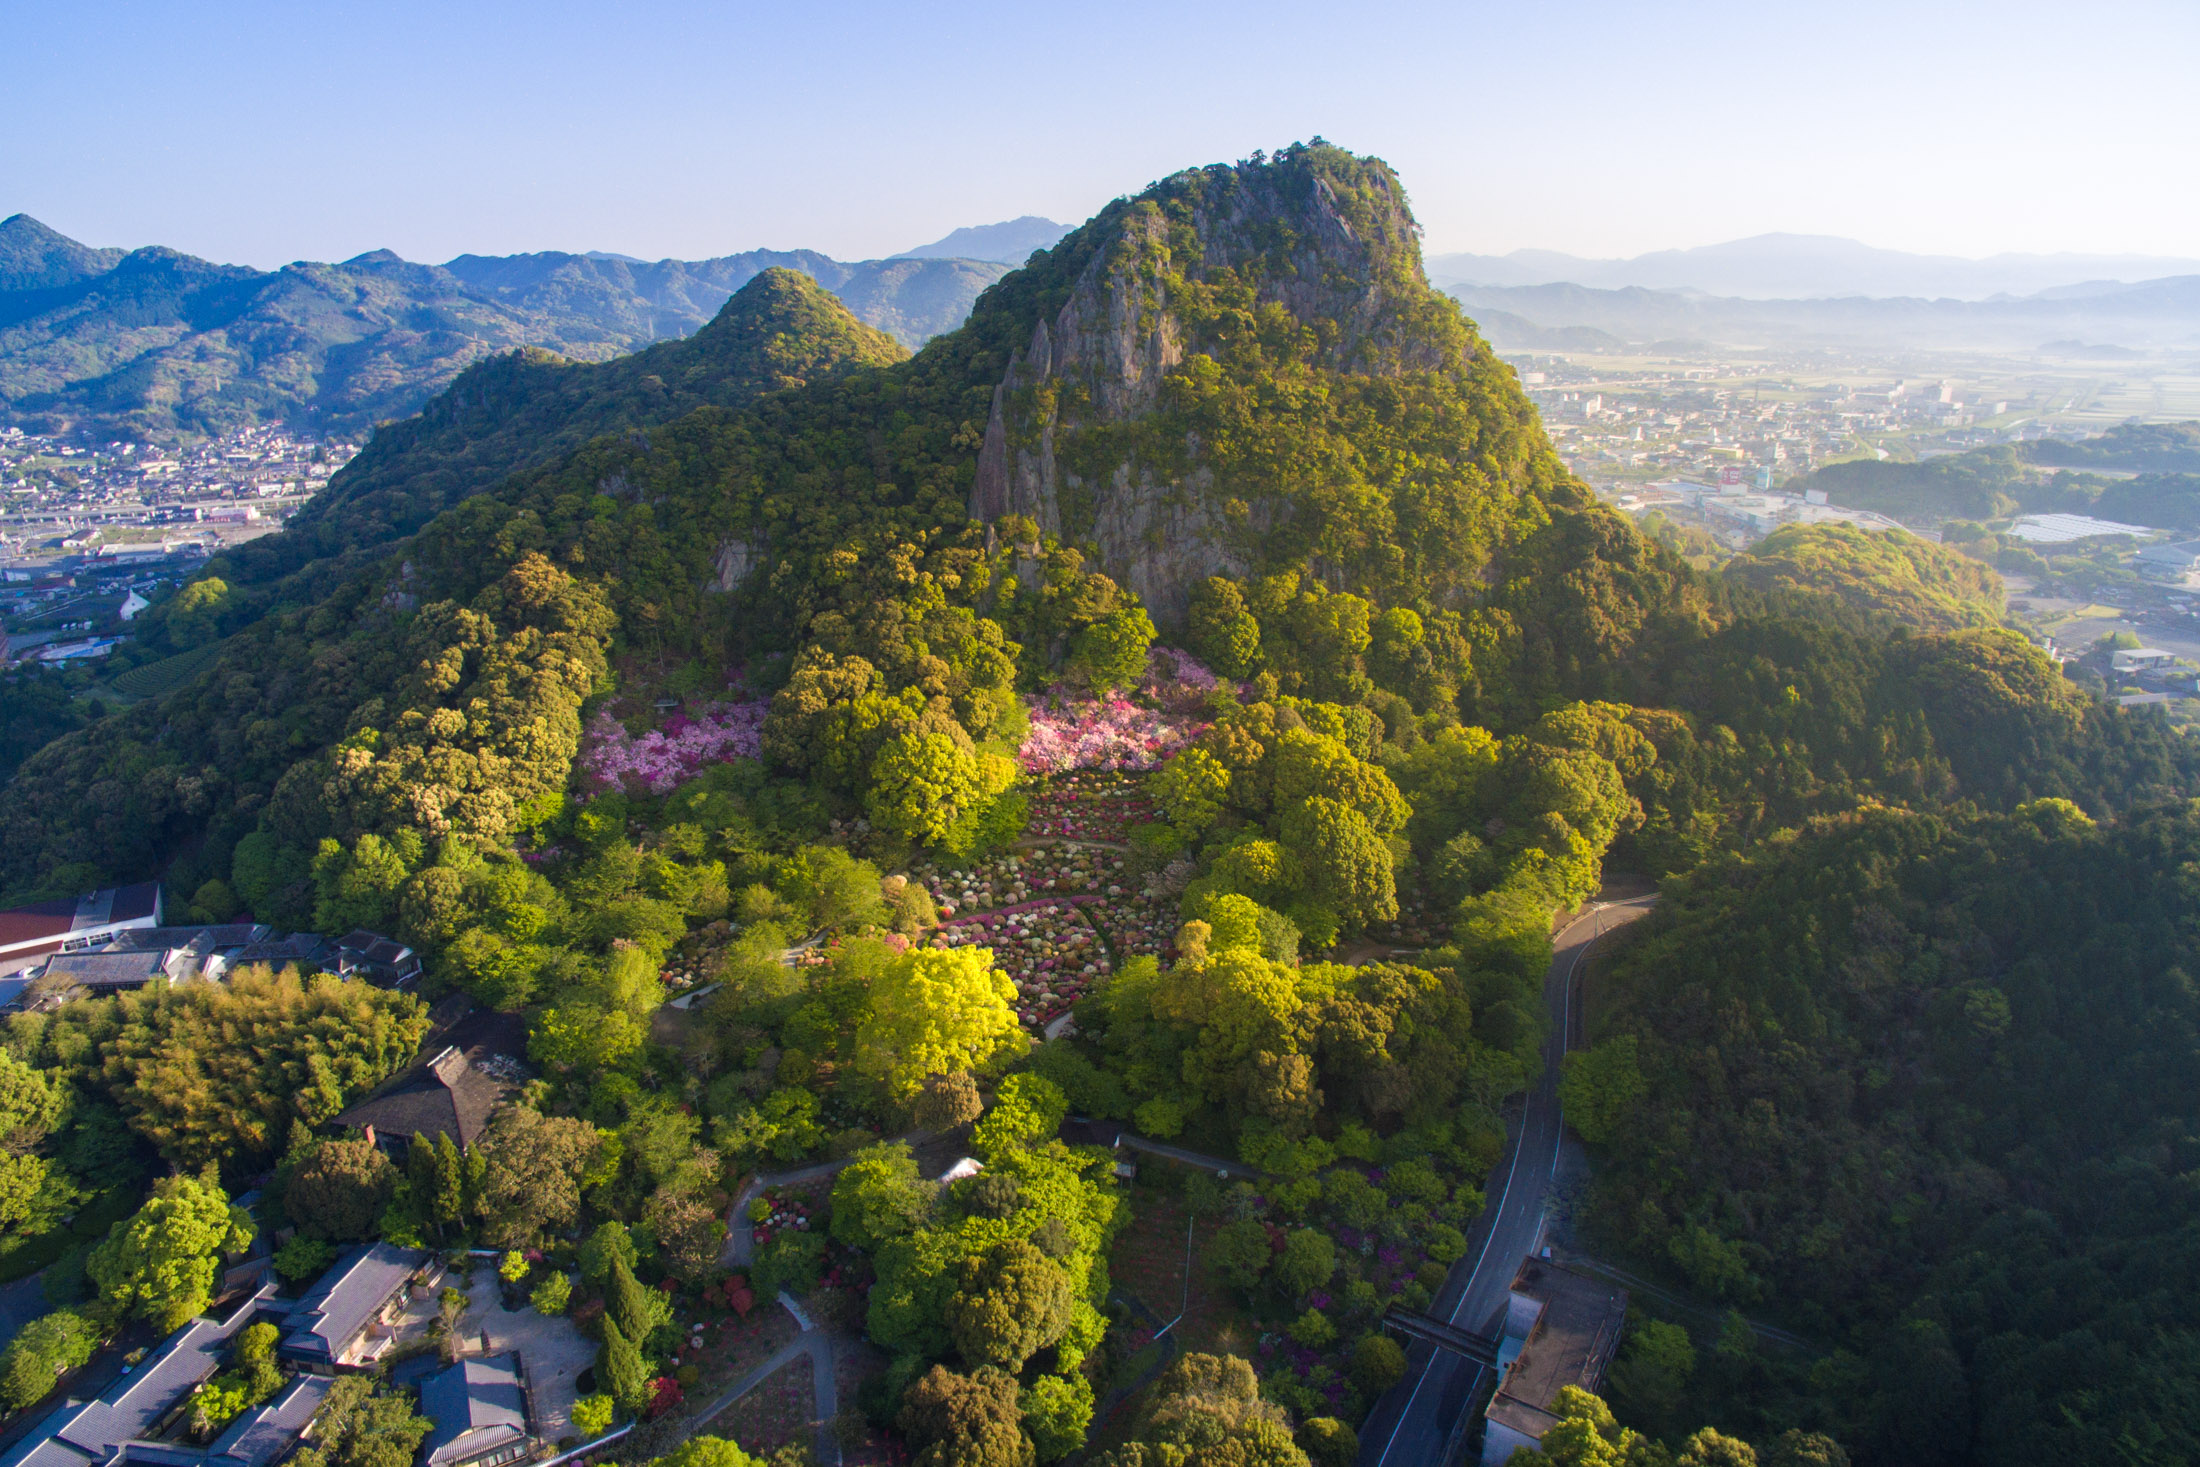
[1081, 437]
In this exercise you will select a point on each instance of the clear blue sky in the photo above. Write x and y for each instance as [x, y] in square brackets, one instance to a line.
[262, 132]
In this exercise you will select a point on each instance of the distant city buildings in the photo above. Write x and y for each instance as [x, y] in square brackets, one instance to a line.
[1759, 420]
[139, 500]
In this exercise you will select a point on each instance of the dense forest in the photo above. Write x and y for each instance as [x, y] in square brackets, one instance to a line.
[1202, 644]
[1926, 1085]
[1892, 577]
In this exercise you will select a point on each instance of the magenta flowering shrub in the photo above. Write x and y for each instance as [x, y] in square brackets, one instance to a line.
[612, 758]
[1114, 734]
[1069, 732]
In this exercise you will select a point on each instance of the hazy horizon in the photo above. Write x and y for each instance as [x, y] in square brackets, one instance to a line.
[254, 134]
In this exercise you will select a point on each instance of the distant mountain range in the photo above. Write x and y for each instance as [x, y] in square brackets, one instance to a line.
[1008, 243]
[2111, 322]
[151, 342]
[1804, 266]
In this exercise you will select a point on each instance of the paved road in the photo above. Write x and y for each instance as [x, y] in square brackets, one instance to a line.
[1411, 1425]
[1220, 1165]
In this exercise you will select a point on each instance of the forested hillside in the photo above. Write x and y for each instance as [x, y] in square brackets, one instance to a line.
[1207, 611]
[1928, 1086]
[155, 343]
[1893, 577]
[779, 331]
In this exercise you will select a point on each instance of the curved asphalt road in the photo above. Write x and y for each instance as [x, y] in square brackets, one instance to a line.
[1411, 1425]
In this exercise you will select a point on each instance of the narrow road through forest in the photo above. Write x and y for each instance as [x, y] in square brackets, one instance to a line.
[1415, 1421]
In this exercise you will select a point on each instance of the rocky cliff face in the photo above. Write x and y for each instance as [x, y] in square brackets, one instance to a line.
[1089, 434]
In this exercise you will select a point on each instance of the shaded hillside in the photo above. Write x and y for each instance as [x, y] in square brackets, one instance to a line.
[156, 342]
[33, 257]
[1927, 1087]
[778, 332]
[1887, 575]
[2156, 448]
[910, 300]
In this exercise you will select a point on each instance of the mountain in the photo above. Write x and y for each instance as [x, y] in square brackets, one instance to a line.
[769, 532]
[777, 631]
[1009, 243]
[779, 332]
[2139, 448]
[1804, 266]
[910, 301]
[2153, 314]
[155, 342]
[1903, 578]
[33, 257]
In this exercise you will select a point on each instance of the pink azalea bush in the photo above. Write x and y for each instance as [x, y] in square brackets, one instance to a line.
[612, 758]
[1069, 732]
[1112, 734]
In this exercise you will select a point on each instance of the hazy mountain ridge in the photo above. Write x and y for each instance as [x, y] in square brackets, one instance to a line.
[1009, 242]
[1802, 266]
[152, 341]
[2155, 313]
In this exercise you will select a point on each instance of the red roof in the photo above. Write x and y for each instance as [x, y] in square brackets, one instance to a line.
[38, 920]
[106, 909]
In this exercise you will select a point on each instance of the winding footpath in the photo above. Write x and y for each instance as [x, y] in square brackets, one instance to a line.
[1415, 1424]
[822, 1345]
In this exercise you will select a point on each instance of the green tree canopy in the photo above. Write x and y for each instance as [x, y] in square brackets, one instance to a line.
[360, 1424]
[162, 1263]
[971, 1419]
[1014, 1302]
[878, 1195]
[535, 1166]
[708, 1451]
[934, 1012]
[339, 1191]
[42, 1351]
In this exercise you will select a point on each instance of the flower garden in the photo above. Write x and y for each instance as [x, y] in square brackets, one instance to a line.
[1110, 733]
[774, 1212]
[778, 1413]
[1098, 805]
[1059, 918]
[1070, 733]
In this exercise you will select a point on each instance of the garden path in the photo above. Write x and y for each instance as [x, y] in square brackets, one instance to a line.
[740, 1249]
[822, 1346]
[1218, 1164]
